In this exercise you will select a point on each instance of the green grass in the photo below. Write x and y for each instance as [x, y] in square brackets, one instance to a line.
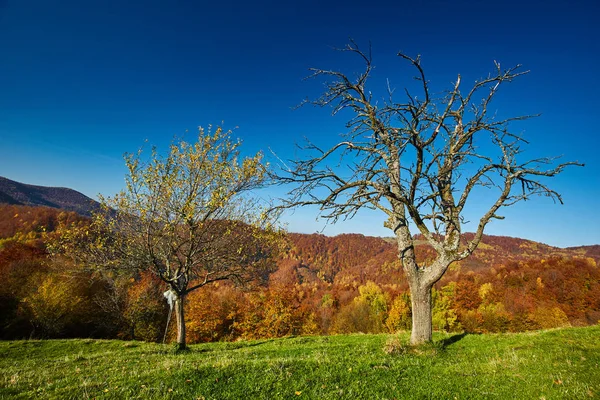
[555, 364]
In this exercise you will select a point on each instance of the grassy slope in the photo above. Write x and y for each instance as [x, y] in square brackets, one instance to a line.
[549, 364]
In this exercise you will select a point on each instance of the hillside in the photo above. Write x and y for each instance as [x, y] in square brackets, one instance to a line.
[322, 285]
[332, 254]
[589, 251]
[16, 193]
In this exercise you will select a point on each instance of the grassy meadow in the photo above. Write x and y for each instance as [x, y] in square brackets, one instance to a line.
[554, 364]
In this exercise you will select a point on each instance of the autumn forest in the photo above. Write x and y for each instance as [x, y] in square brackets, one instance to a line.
[321, 285]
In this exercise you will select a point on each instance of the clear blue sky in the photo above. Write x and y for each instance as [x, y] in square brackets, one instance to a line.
[82, 82]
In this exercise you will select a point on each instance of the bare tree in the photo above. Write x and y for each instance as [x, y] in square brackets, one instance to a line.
[419, 161]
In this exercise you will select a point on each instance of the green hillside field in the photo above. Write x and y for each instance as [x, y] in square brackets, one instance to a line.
[552, 364]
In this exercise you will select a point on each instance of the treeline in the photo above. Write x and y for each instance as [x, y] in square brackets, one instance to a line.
[323, 285]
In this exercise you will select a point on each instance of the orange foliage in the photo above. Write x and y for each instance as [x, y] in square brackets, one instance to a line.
[211, 312]
[507, 285]
[145, 309]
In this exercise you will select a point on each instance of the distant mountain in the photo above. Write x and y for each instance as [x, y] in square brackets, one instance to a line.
[17, 193]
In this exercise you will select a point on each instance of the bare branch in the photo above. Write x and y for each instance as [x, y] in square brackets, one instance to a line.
[418, 161]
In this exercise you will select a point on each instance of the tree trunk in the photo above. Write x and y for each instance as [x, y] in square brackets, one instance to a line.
[420, 282]
[180, 321]
[420, 294]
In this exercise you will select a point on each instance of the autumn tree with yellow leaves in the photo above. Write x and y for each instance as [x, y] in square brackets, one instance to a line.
[188, 218]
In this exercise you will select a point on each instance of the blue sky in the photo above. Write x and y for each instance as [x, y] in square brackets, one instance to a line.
[83, 82]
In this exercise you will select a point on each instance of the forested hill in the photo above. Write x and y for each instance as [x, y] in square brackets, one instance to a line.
[590, 251]
[17, 193]
[322, 285]
[329, 255]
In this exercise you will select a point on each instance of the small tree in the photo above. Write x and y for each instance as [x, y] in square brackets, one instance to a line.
[185, 218]
[418, 161]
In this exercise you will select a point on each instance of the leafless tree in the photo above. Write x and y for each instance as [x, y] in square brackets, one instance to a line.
[419, 161]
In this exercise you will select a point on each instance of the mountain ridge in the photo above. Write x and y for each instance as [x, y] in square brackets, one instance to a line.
[18, 193]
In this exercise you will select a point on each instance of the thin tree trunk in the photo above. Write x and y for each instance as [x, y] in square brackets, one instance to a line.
[180, 321]
[421, 313]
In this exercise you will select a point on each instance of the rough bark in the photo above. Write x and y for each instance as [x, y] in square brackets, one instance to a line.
[419, 282]
[421, 313]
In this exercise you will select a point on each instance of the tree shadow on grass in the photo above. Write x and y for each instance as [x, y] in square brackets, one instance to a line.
[452, 339]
